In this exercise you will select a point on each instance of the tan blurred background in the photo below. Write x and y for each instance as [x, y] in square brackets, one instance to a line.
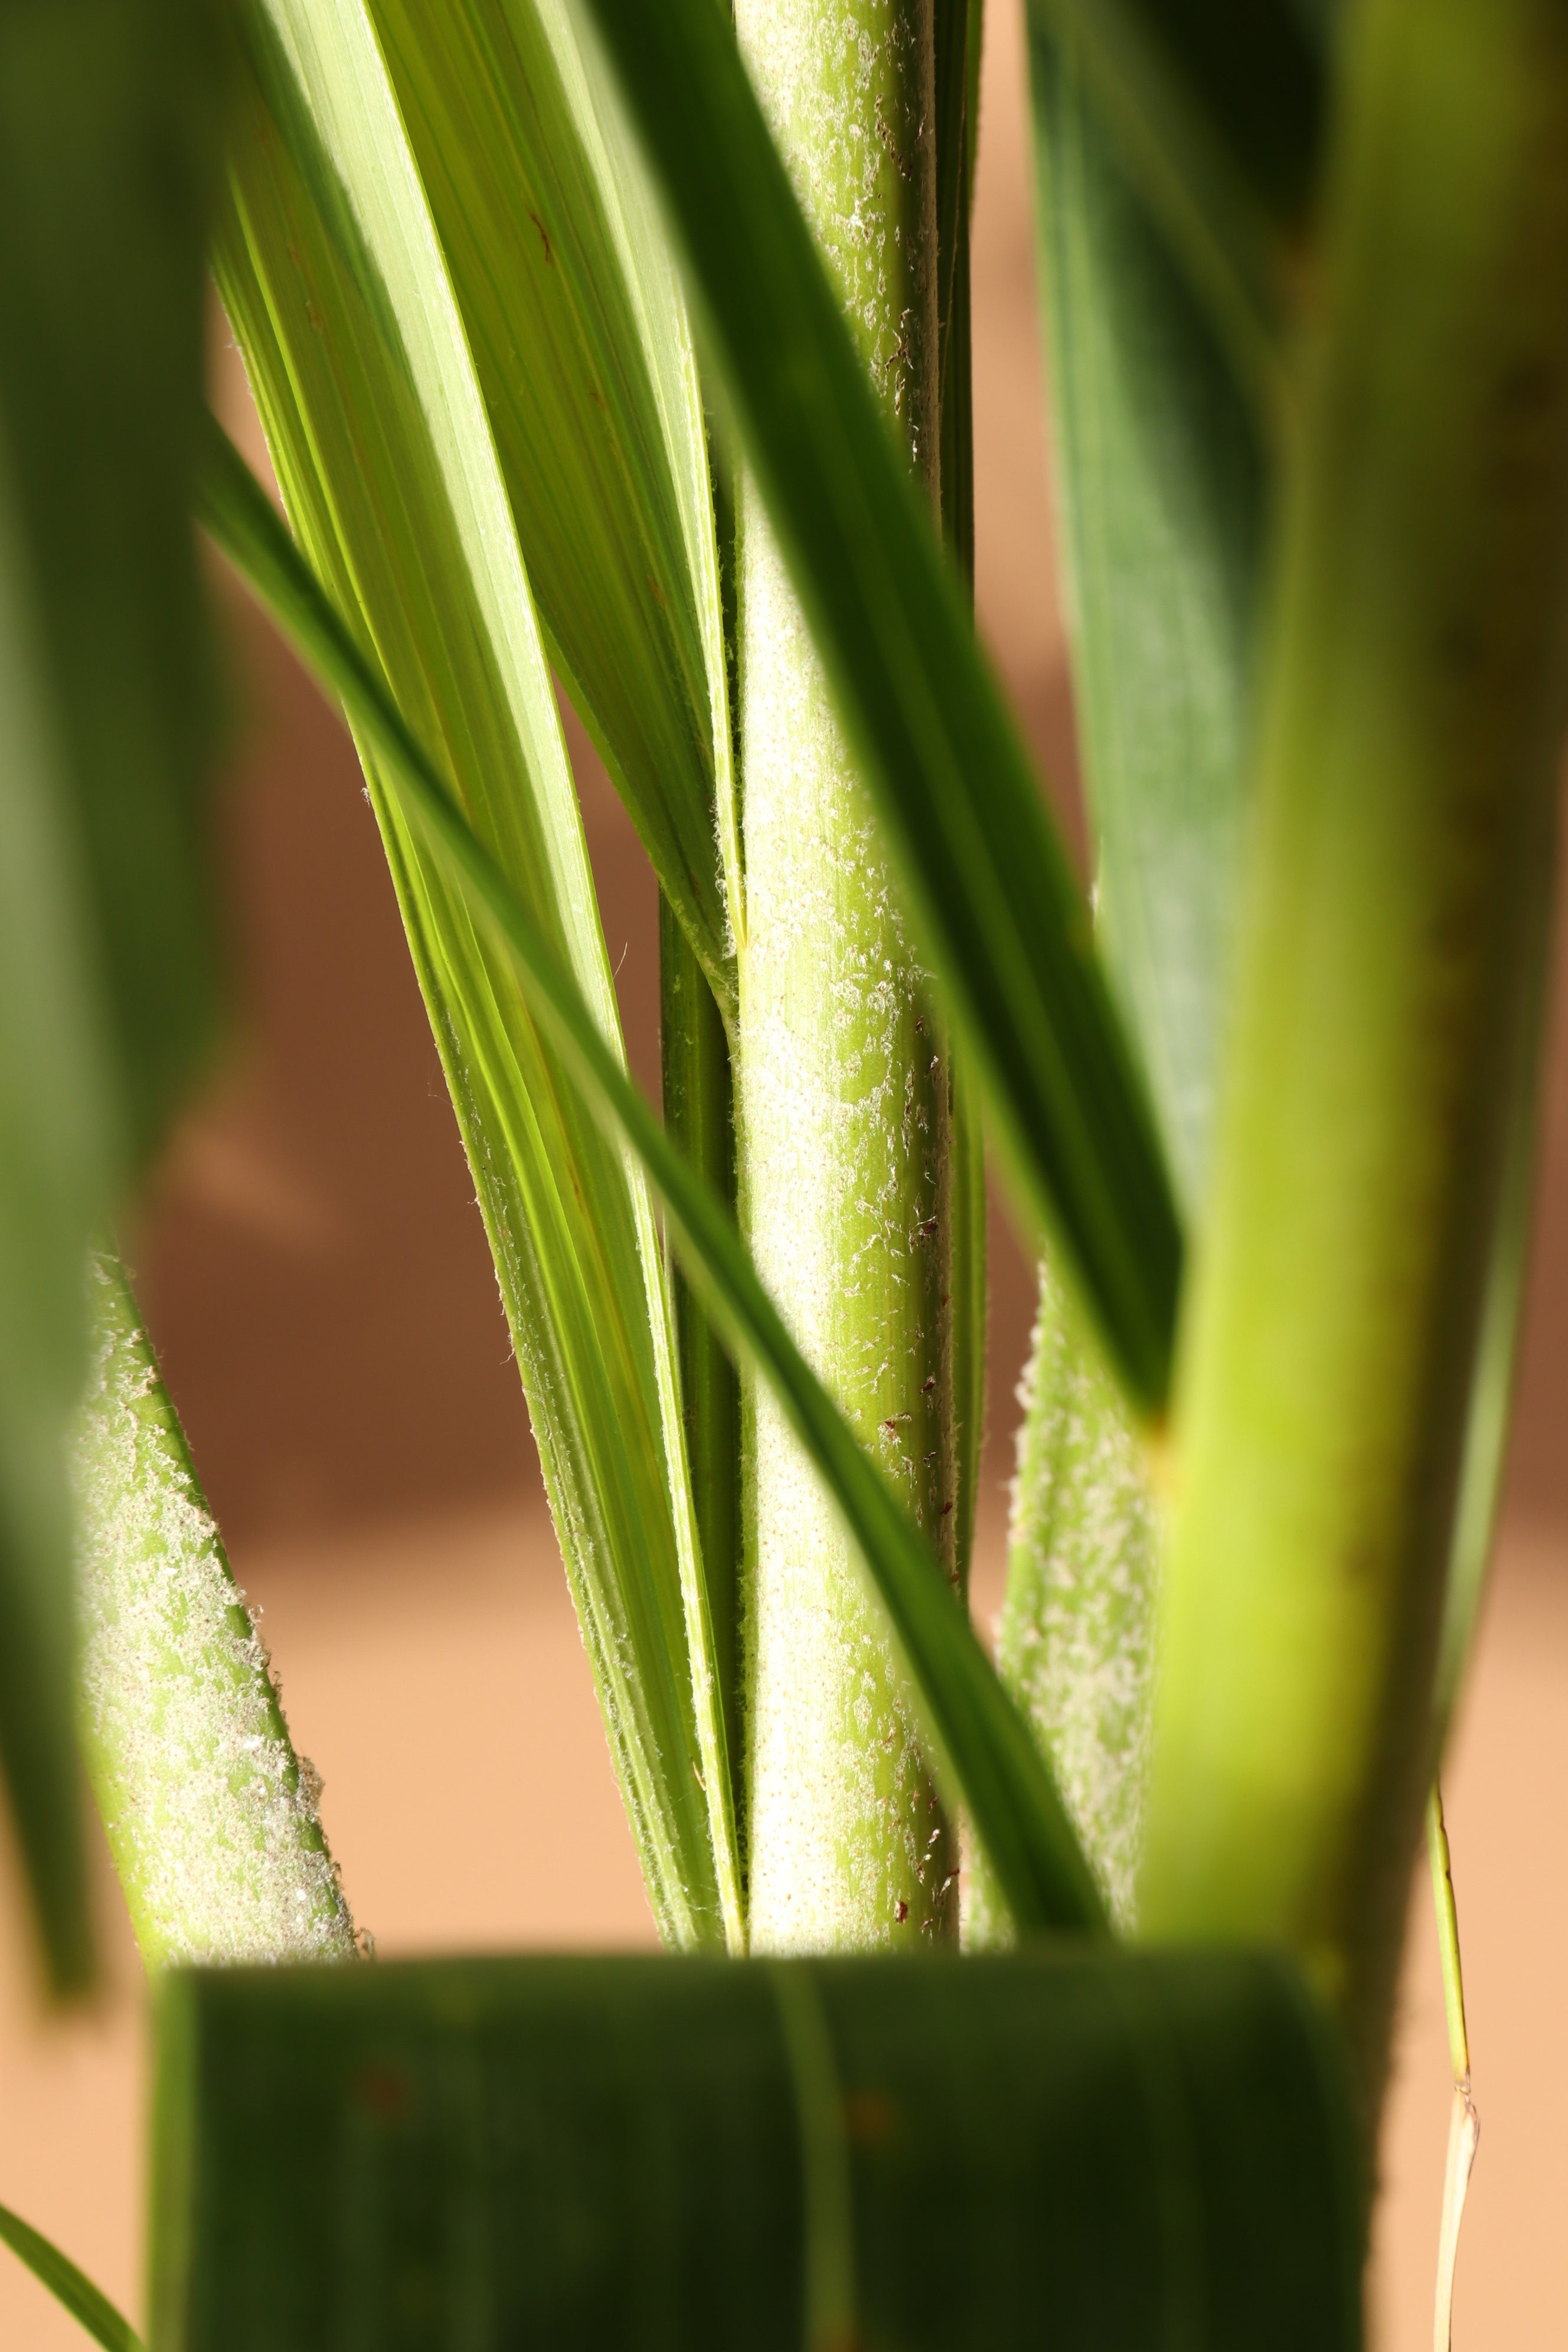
[315, 1273]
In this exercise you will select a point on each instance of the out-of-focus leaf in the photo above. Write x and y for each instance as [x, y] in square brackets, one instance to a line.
[1162, 485]
[335, 281]
[1103, 2153]
[990, 884]
[583, 354]
[980, 1739]
[212, 1820]
[1497, 1342]
[1218, 112]
[1411, 715]
[110, 121]
[67, 2284]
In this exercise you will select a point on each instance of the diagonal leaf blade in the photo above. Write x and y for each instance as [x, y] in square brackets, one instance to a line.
[995, 899]
[333, 278]
[981, 1739]
[1163, 490]
[583, 354]
[68, 2285]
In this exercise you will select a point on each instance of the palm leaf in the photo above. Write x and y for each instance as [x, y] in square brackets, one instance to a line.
[68, 2285]
[333, 278]
[1162, 485]
[583, 355]
[981, 1740]
[1123, 2152]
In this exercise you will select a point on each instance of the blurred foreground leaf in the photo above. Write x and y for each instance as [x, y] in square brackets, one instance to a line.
[109, 124]
[1126, 2152]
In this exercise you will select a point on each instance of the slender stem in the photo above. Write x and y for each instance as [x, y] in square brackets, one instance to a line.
[1464, 2123]
[211, 1817]
[699, 1114]
[1448, 1932]
[842, 1092]
[1412, 711]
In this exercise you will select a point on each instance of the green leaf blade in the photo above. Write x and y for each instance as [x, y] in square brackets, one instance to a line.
[382, 445]
[1164, 488]
[583, 355]
[1143, 2149]
[68, 2285]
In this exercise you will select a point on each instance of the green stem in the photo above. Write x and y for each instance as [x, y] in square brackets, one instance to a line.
[842, 1093]
[699, 1114]
[1411, 718]
[211, 1817]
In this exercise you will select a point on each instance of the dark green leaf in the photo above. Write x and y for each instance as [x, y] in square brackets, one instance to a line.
[1218, 109]
[68, 2285]
[1162, 485]
[108, 127]
[1105, 2154]
[979, 1737]
[992, 888]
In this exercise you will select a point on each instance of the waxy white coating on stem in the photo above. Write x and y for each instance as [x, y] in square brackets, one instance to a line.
[1076, 1639]
[211, 1818]
[842, 1094]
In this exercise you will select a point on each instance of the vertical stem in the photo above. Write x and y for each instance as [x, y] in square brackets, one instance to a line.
[699, 1111]
[1412, 711]
[842, 1090]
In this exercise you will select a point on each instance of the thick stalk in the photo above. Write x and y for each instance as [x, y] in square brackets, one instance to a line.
[1411, 718]
[842, 1093]
[210, 1815]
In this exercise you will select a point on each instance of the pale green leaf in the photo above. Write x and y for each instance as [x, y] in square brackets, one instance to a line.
[334, 280]
[583, 354]
[211, 1818]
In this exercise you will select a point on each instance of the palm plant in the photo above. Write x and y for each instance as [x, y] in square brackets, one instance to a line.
[632, 346]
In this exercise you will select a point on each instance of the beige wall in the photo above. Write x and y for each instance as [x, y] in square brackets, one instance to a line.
[315, 1273]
